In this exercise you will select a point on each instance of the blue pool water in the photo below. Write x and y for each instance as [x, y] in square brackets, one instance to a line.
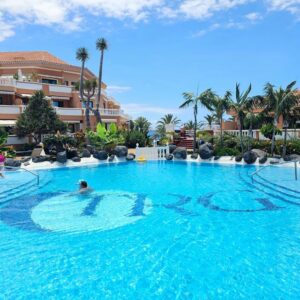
[158, 230]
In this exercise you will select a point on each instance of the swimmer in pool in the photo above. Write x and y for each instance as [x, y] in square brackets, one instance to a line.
[84, 188]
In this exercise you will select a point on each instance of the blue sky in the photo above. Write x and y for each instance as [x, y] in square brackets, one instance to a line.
[161, 48]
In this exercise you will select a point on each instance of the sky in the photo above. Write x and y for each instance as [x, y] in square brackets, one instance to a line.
[159, 49]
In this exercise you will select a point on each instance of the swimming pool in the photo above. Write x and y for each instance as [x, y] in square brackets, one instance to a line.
[159, 230]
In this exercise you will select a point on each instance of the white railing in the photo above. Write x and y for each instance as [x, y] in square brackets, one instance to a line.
[111, 112]
[14, 140]
[7, 82]
[9, 109]
[60, 89]
[29, 85]
[256, 134]
[152, 153]
[68, 111]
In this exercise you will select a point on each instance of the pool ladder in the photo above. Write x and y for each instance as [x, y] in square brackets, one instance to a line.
[37, 176]
[283, 163]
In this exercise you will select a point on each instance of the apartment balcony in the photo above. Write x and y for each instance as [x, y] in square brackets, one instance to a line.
[69, 111]
[10, 109]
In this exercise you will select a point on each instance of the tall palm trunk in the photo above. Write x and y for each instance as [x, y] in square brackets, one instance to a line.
[195, 129]
[273, 135]
[284, 142]
[97, 111]
[241, 133]
[81, 80]
[87, 115]
[221, 122]
[250, 134]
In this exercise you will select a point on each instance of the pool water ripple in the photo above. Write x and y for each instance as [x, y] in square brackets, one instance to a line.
[143, 234]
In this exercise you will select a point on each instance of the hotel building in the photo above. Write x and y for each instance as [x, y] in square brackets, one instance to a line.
[23, 73]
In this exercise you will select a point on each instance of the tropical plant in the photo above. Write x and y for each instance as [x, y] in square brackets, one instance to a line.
[101, 45]
[3, 137]
[239, 106]
[190, 125]
[219, 105]
[104, 138]
[82, 55]
[168, 119]
[280, 102]
[209, 119]
[142, 125]
[38, 118]
[88, 89]
[191, 100]
[132, 138]
[268, 129]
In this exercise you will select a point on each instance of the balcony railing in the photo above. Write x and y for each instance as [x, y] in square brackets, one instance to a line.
[60, 89]
[10, 109]
[29, 85]
[68, 111]
[111, 112]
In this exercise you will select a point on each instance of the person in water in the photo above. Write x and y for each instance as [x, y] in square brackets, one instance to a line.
[83, 187]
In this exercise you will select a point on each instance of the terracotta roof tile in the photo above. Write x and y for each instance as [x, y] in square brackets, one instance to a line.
[29, 56]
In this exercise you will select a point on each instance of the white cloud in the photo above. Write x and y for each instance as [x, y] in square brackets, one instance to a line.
[6, 29]
[117, 89]
[292, 6]
[254, 16]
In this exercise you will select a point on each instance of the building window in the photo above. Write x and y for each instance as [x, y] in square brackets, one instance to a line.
[66, 82]
[73, 83]
[91, 104]
[1, 100]
[49, 81]
[58, 103]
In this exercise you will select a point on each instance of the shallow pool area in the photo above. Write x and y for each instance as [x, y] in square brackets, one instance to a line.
[155, 230]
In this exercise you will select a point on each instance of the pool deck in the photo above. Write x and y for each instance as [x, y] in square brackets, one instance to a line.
[85, 162]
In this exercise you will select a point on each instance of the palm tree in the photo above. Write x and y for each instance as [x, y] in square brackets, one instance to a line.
[210, 119]
[142, 125]
[190, 99]
[83, 55]
[190, 125]
[239, 107]
[88, 92]
[251, 116]
[219, 106]
[280, 102]
[101, 45]
[168, 119]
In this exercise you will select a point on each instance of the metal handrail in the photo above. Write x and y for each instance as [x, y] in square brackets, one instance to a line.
[282, 163]
[20, 168]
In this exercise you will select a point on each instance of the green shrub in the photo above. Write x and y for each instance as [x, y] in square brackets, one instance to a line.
[226, 151]
[267, 131]
[134, 137]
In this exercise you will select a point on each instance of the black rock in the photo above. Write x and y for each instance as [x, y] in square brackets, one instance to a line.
[180, 153]
[121, 151]
[262, 160]
[90, 148]
[72, 152]
[194, 156]
[292, 157]
[61, 157]
[169, 157]
[250, 157]
[206, 151]
[10, 162]
[39, 159]
[238, 158]
[172, 148]
[86, 153]
[76, 159]
[101, 155]
[217, 157]
[130, 157]
[274, 161]
[111, 158]
[24, 160]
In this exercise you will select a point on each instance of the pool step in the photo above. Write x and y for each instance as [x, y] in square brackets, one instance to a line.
[23, 189]
[271, 190]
